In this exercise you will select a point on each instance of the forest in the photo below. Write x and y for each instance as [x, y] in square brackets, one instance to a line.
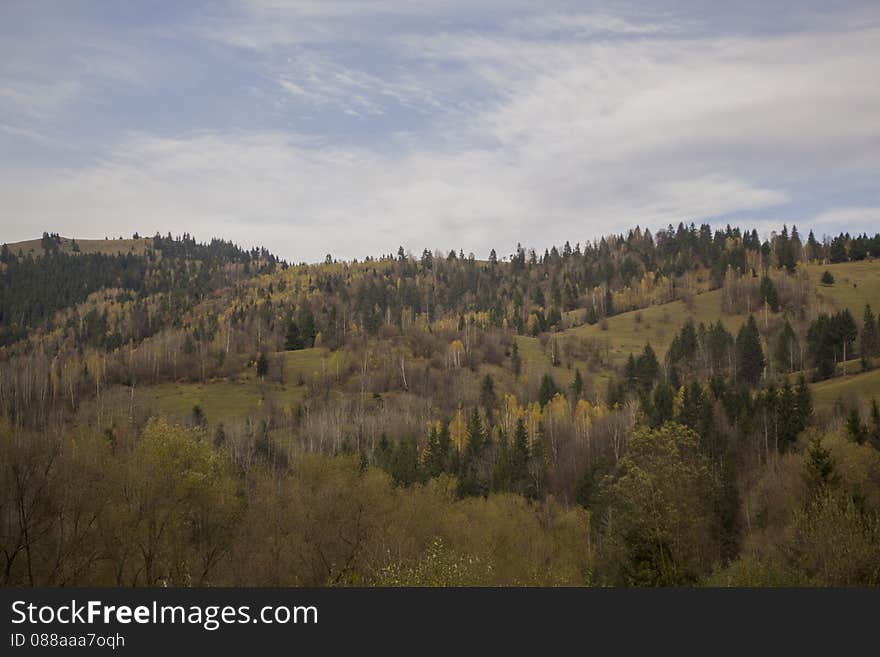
[694, 406]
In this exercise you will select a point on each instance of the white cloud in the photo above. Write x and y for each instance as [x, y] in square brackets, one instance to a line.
[851, 219]
[554, 137]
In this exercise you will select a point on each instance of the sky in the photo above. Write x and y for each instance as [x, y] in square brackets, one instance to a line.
[352, 127]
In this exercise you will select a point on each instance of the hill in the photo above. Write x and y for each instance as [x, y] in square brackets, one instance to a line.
[84, 246]
[405, 395]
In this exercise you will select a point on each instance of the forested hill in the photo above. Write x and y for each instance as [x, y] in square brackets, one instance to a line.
[679, 407]
[64, 272]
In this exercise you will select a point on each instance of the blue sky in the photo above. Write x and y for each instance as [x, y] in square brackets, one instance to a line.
[355, 126]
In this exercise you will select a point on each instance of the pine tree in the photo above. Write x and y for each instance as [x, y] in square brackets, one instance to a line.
[812, 247]
[293, 340]
[854, 427]
[520, 456]
[548, 389]
[875, 424]
[662, 405]
[788, 422]
[262, 366]
[749, 353]
[629, 373]
[803, 402]
[476, 438]
[769, 295]
[577, 385]
[515, 360]
[433, 455]
[820, 471]
[647, 368]
[488, 399]
[870, 334]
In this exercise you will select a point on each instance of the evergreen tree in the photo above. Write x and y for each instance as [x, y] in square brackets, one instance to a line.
[434, 461]
[515, 360]
[476, 437]
[803, 401]
[262, 366]
[488, 399]
[293, 339]
[820, 471]
[769, 295]
[630, 373]
[749, 353]
[662, 404]
[875, 424]
[647, 368]
[577, 385]
[548, 389]
[854, 427]
[520, 456]
[812, 247]
[788, 420]
[870, 334]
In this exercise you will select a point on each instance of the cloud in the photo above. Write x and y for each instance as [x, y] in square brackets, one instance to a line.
[850, 219]
[545, 128]
[304, 199]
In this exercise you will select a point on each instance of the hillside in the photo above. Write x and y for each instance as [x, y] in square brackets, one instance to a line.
[518, 391]
[84, 246]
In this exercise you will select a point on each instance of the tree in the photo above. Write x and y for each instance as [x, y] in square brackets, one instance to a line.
[870, 334]
[647, 368]
[476, 438]
[262, 366]
[856, 431]
[820, 473]
[659, 525]
[577, 385]
[769, 295]
[812, 247]
[293, 339]
[515, 360]
[520, 456]
[821, 342]
[488, 399]
[875, 424]
[803, 401]
[845, 333]
[827, 278]
[548, 389]
[749, 353]
[786, 348]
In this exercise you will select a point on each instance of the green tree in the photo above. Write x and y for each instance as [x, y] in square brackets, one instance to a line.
[488, 399]
[577, 385]
[769, 294]
[870, 334]
[515, 360]
[749, 353]
[262, 366]
[520, 456]
[857, 431]
[820, 472]
[786, 348]
[548, 389]
[647, 368]
[659, 527]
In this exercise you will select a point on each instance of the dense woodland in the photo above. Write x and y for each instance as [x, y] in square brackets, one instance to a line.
[439, 419]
